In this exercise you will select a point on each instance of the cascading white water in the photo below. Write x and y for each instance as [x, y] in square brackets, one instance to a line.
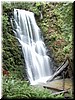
[29, 35]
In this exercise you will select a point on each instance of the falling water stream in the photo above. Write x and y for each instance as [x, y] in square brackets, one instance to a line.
[29, 35]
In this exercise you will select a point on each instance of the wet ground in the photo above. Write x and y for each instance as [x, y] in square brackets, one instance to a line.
[59, 86]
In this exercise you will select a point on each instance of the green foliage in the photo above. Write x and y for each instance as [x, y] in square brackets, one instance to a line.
[11, 52]
[5, 23]
[31, 6]
[19, 89]
[64, 13]
[57, 26]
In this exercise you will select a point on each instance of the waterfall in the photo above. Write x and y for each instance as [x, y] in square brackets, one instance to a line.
[29, 35]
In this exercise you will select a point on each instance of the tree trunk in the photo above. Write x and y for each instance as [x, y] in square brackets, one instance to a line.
[59, 70]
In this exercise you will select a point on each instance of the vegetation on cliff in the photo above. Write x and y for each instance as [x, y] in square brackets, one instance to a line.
[56, 22]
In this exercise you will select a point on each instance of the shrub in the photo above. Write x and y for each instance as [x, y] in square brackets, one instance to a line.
[18, 89]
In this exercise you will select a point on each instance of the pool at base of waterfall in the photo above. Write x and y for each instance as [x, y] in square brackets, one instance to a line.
[40, 80]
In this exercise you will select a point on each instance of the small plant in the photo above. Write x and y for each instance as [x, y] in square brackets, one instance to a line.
[16, 88]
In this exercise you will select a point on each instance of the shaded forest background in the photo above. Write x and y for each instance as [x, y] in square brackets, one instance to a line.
[56, 22]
